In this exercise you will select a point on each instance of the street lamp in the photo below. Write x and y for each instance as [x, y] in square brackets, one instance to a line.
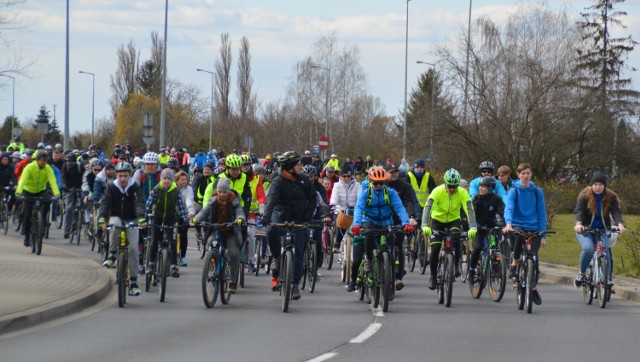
[211, 117]
[466, 71]
[164, 77]
[93, 98]
[433, 102]
[327, 107]
[406, 54]
[13, 100]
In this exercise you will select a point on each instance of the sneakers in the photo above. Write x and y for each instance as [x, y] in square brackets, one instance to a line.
[231, 287]
[512, 271]
[432, 283]
[367, 266]
[336, 249]
[140, 268]
[174, 271]
[134, 290]
[183, 261]
[295, 293]
[275, 264]
[26, 242]
[472, 276]
[66, 234]
[399, 285]
[579, 280]
[274, 285]
[110, 262]
[352, 286]
[535, 296]
[251, 267]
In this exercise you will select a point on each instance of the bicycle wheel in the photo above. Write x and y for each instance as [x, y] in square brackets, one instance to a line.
[5, 217]
[33, 237]
[424, 255]
[449, 276]
[16, 219]
[104, 245]
[497, 277]
[476, 287]
[520, 286]
[223, 282]
[121, 276]
[386, 279]
[243, 265]
[413, 250]
[40, 232]
[287, 279]
[163, 271]
[374, 276]
[587, 286]
[327, 243]
[313, 267]
[60, 213]
[205, 239]
[529, 287]
[78, 220]
[258, 255]
[305, 268]
[440, 279]
[346, 259]
[210, 285]
[91, 230]
[463, 261]
[602, 286]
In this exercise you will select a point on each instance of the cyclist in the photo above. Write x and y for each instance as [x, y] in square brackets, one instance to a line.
[24, 162]
[200, 186]
[225, 208]
[422, 183]
[36, 177]
[307, 159]
[122, 203]
[237, 179]
[148, 177]
[106, 176]
[489, 210]
[374, 209]
[442, 212]
[186, 192]
[256, 207]
[72, 173]
[504, 176]
[166, 207]
[17, 145]
[333, 162]
[198, 161]
[596, 206]
[486, 169]
[7, 178]
[290, 199]
[343, 198]
[88, 184]
[525, 211]
[322, 210]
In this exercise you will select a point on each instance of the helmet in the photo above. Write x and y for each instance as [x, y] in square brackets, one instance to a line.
[452, 177]
[150, 157]
[40, 145]
[117, 150]
[257, 169]
[310, 170]
[489, 182]
[289, 159]
[210, 165]
[41, 155]
[28, 151]
[123, 167]
[49, 148]
[58, 146]
[487, 165]
[377, 174]
[233, 161]
[172, 163]
[15, 154]
[16, 138]
[85, 156]
[246, 159]
[97, 163]
[92, 147]
[70, 157]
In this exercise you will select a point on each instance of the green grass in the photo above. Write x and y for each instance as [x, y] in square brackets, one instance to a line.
[563, 247]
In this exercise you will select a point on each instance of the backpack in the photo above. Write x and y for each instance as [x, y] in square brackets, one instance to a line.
[370, 195]
[143, 176]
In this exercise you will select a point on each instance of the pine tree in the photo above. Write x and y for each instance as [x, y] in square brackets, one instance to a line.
[54, 136]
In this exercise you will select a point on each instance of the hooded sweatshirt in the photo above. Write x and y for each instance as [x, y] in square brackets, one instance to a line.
[526, 208]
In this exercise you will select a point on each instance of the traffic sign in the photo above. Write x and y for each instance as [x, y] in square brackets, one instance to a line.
[147, 129]
[323, 143]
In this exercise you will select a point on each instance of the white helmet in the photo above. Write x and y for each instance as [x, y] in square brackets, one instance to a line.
[150, 157]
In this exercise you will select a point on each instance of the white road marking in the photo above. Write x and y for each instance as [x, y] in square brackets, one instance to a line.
[368, 332]
[323, 357]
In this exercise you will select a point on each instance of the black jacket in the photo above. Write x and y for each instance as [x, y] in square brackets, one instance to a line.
[126, 204]
[294, 200]
[72, 175]
[486, 208]
[7, 173]
[407, 196]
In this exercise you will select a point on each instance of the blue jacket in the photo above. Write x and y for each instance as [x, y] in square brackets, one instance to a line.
[474, 188]
[526, 208]
[378, 212]
[199, 161]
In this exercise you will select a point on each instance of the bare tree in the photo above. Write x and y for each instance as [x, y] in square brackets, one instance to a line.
[223, 79]
[11, 61]
[246, 100]
[123, 83]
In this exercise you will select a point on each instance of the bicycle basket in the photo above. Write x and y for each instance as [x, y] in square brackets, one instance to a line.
[344, 221]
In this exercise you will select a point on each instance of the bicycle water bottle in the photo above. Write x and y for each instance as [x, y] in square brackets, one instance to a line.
[123, 238]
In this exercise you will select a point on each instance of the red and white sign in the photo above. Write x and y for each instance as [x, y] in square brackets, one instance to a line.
[323, 142]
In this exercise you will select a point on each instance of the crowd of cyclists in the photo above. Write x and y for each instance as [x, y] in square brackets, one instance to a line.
[173, 188]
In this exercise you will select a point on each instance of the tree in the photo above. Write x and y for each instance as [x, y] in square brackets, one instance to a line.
[123, 83]
[10, 21]
[422, 113]
[149, 77]
[53, 135]
[5, 130]
[246, 100]
[223, 79]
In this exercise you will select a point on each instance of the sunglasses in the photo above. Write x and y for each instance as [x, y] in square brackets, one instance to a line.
[378, 183]
[486, 171]
[452, 187]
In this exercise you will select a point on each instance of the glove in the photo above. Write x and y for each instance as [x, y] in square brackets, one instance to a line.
[265, 221]
[471, 233]
[426, 231]
[101, 221]
[142, 221]
[240, 221]
[408, 229]
[19, 197]
[355, 230]
[194, 220]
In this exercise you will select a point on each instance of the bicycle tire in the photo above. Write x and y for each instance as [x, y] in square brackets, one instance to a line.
[16, 219]
[328, 235]
[79, 217]
[587, 286]
[497, 277]
[121, 276]
[5, 217]
[476, 288]
[386, 276]
[60, 213]
[346, 262]
[602, 287]
[287, 279]
[449, 276]
[361, 284]
[375, 282]
[463, 262]
[203, 252]
[104, 249]
[242, 265]
[223, 280]
[424, 261]
[210, 285]
[92, 237]
[163, 264]
[258, 255]
[34, 233]
[520, 286]
[414, 245]
[313, 267]
[529, 287]
[40, 233]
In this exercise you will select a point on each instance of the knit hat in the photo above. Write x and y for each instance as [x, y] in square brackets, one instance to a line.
[599, 177]
[419, 163]
[168, 173]
[210, 165]
[223, 185]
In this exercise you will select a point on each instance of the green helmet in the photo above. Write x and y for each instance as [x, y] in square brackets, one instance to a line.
[233, 161]
[246, 159]
[452, 177]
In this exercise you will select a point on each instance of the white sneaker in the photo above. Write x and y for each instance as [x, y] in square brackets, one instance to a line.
[109, 263]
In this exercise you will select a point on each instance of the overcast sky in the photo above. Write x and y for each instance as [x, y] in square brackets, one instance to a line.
[280, 32]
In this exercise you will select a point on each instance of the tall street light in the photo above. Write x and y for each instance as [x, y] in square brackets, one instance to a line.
[466, 71]
[65, 142]
[433, 107]
[93, 98]
[326, 103]
[406, 54]
[164, 77]
[13, 100]
[211, 117]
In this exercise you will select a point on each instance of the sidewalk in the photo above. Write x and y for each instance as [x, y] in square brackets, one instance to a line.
[36, 289]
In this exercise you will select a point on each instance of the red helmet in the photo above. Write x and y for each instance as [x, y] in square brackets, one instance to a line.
[377, 174]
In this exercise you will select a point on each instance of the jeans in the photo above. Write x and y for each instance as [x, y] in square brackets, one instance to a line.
[300, 237]
[588, 243]
[70, 199]
[132, 237]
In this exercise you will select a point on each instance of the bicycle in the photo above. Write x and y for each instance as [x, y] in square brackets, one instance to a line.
[310, 265]
[596, 283]
[491, 267]
[527, 271]
[345, 257]
[216, 271]
[17, 215]
[4, 208]
[122, 260]
[91, 230]
[59, 213]
[160, 274]
[445, 273]
[287, 254]
[327, 243]
[465, 257]
[262, 252]
[38, 226]
[76, 217]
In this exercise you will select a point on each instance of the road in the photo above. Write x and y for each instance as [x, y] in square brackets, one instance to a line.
[330, 324]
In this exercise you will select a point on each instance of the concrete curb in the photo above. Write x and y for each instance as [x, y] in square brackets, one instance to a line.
[66, 306]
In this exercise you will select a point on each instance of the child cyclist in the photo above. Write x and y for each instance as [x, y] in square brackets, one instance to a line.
[442, 212]
[374, 209]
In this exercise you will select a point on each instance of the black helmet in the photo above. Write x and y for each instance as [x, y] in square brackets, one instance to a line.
[123, 167]
[42, 155]
[70, 156]
[117, 150]
[310, 170]
[486, 165]
[289, 159]
[172, 163]
[489, 182]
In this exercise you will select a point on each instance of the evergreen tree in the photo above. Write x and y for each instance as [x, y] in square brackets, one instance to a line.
[54, 136]
[43, 116]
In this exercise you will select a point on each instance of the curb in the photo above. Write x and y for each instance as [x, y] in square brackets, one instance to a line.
[64, 307]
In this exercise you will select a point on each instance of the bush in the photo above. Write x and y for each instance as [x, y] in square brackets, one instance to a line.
[627, 188]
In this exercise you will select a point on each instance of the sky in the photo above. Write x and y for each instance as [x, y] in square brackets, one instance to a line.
[280, 32]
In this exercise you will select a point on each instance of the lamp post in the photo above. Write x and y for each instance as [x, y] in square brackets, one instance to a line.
[466, 71]
[13, 100]
[406, 54]
[433, 107]
[93, 98]
[327, 107]
[164, 77]
[211, 117]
